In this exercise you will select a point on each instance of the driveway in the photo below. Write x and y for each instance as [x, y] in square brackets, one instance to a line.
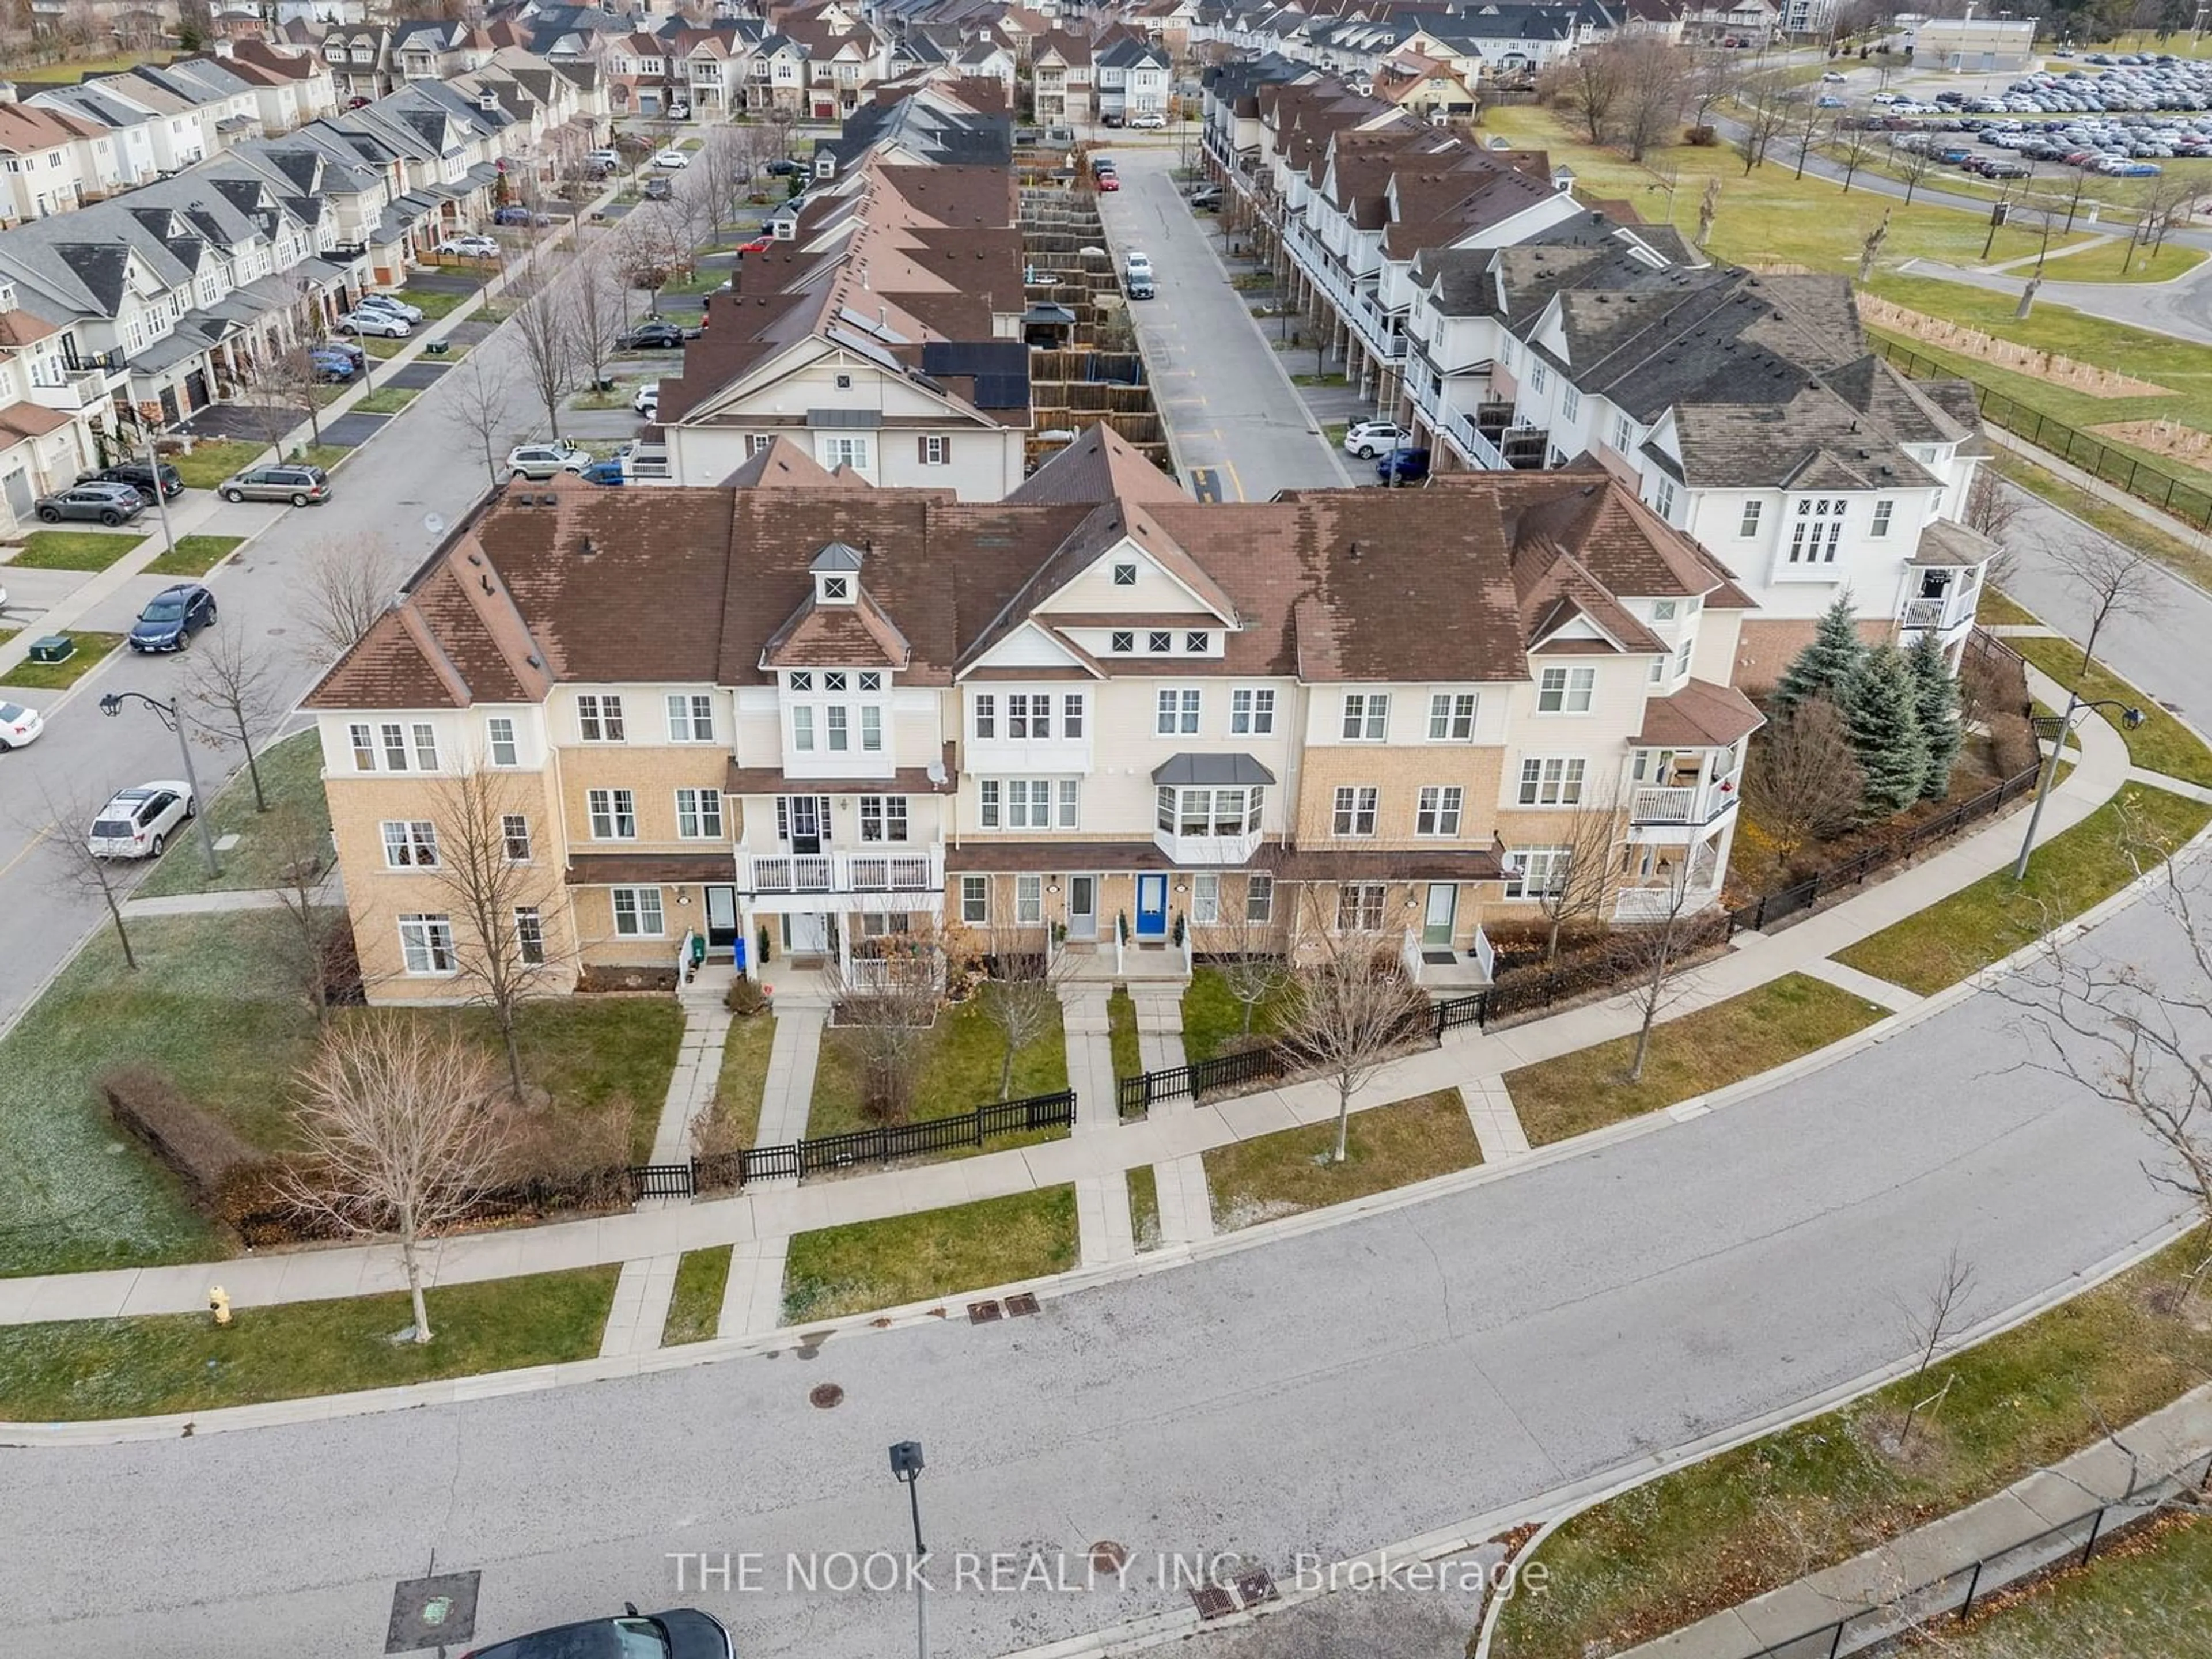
[1240, 431]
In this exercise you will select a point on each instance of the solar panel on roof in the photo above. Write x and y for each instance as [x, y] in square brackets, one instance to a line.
[1002, 391]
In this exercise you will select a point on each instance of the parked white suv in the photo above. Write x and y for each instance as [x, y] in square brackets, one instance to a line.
[542, 461]
[1368, 438]
[138, 822]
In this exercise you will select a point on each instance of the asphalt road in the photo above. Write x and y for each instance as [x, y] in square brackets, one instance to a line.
[1241, 431]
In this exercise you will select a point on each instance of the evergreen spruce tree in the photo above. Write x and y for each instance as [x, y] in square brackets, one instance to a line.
[1880, 708]
[1935, 701]
[1834, 654]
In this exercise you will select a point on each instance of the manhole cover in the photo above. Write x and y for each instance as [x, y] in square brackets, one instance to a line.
[824, 1396]
[1106, 1556]
[432, 1613]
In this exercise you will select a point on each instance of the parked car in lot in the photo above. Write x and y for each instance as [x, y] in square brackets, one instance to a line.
[607, 159]
[171, 616]
[1832, 76]
[1148, 122]
[384, 324]
[19, 725]
[655, 334]
[647, 399]
[679, 1633]
[672, 160]
[658, 190]
[1368, 438]
[1403, 466]
[538, 462]
[303, 486]
[140, 477]
[139, 822]
[392, 303]
[108, 503]
[468, 247]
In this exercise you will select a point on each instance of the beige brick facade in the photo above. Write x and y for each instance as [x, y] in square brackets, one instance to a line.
[1766, 645]
[1399, 772]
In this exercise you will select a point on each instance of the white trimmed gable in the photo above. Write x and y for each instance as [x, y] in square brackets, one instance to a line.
[1156, 591]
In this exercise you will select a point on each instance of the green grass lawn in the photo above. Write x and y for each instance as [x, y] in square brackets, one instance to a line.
[326, 456]
[1122, 1033]
[1997, 609]
[912, 1258]
[387, 400]
[1767, 218]
[2160, 744]
[381, 345]
[596, 1053]
[2143, 1598]
[2117, 522]
[72, 71]
[292, 779]
[1144, 1206]
[1724, 1043]
[1996, 916]
[142, 1367]
[733, 1121]
[435, 303]
[695, 1312]
[92, 650]
[195, 555]
[76, 549]
[1395, 1145]
[1719, 1532]
[959, 1072]
[1213, 1020]
[211, 463]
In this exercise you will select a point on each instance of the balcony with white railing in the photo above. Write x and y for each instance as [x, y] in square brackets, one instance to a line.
[75, 389]
[1944, 614]
[1468, 439]
[1691, 804]
[787, 881]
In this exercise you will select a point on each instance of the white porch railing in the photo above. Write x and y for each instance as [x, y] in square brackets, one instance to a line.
[1484, 454]
[1486, 958]
[922, 871]
[1653, 904]
[1682, 804]
[1939, 614]
[1409, 953]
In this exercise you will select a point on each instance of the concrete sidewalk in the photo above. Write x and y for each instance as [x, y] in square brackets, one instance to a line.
[2016, 1524]
[1172, 1140]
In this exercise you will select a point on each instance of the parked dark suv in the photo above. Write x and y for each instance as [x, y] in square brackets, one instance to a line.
[171, 618]
[139, 475]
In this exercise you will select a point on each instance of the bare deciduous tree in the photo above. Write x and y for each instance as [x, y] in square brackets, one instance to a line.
[1021, 998]
[1653, 949]
[596, 313]
[2114, 580]
[541, 327]
[1655, 83]
[1587, 86]
[479, 402]
[648, 253]
[346, 584]
[1579, 884]
[1803, 782]
[484, 867]
[1348, 1009]
[1252, 967]
[397, 1122]
[231, 681]
[64, 825]
[885, 1010]
[1936, 1320]
[1914, 162]
[1854, 147]
[277, 388]
[1715, 78]
[1809, 126]
[310, 937]
[1768, 108]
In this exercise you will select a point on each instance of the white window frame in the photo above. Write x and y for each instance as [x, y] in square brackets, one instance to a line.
[699, 815]
[1662, 497]
[1883, 511]
[600, 718]
[975, 900]
[1534, 871]
[426, 946]
[1205, 899]
[1252, 711]
[530, 935]
[1754, 512]
[1439, 810]
[361, 737]
[1353, 806]
[1259, 898]
[986, 711]
[1565, 690]
[1451, 716]
[1028, 901]
[1816, 528]
[1552, 781]
[884, 819]
[1071, 714]
[1361, 904]
[644, 904]
[499, 736]
[409, 843]
[612, 809]
[513, 833]
[1366, 717]
[1177, 711]
[690, 717]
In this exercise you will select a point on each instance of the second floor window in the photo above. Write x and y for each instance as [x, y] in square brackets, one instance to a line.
[499, 736]
[1177, 713]
[699, 814]
[1553, 781]
[1252, 711]
[1565, 690]
[883, 818]
[1881, 515]
[690, 718]
[1818, 527]
[1029, 715]
[1354, 811]
[514, 833]
[1748, 526]
[411, 843]
[599, 718]
[1366, 716]
[1451, 717]
[987, 716]
[613, 814]
[1437, 812]
[1071, 715]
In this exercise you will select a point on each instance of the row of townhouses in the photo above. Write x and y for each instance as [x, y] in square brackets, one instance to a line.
[883, 330]
[136, 310]
[1096, 711]
[1512, 328]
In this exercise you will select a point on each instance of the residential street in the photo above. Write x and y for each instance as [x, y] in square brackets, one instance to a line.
[1241, 432]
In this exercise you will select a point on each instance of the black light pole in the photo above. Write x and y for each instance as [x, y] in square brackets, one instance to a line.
[112, 705]
[906, 1466]
[2130, 717]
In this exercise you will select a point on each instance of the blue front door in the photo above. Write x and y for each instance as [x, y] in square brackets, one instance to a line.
[1152, 907]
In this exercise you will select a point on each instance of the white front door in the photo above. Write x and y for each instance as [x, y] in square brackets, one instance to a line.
[1083, 906]
[807, 933]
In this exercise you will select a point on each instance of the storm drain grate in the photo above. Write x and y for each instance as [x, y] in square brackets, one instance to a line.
[982, 1313]
[1018, 1305]
[825, 1395]
[1254, 1587]
[1213, 1601]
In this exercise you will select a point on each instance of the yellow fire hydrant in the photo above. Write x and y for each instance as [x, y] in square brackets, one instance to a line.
[219, 1304]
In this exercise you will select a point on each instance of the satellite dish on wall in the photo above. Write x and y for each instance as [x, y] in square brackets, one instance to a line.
[936, 774]
[433, 523]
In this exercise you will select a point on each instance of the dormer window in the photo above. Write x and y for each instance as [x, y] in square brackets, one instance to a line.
[835, 589]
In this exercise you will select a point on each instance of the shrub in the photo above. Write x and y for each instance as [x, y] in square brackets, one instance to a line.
[194, 1145]
[1702, 137]
[744, 998]
[2012, 743]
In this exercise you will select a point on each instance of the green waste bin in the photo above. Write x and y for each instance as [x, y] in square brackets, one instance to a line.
[698, 951]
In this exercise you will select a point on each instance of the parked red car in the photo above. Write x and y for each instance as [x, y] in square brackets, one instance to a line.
[1108, 181]
[758, 245]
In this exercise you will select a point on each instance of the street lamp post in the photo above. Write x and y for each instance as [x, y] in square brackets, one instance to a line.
[172, 717]
[906, 1467]
[2130, 717]
[161, 495]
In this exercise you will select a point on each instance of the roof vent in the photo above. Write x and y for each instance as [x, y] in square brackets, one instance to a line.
[549, 499]
[475, 558]
[486, 580]
[1353, 552]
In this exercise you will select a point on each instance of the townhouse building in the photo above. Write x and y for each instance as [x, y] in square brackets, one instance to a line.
[1098, 712]
[54, 161]
[1747, 409]
[361, 62]
[45, 438]
[882, 328]
[1061, 80]
[1131, 74]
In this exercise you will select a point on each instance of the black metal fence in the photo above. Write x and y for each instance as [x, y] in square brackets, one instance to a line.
[1273, 1060]
[725, 1171]
[2069, 1543]
[2145, 480]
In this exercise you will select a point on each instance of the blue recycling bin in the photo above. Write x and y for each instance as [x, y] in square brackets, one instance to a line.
[738, 953]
